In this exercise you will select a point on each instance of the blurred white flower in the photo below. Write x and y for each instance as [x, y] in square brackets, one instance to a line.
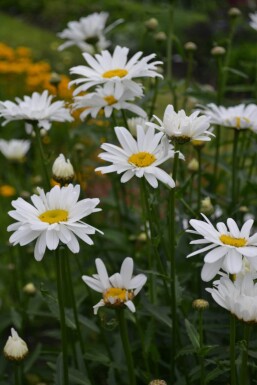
[137, 121]
[253, 20]
[238, 297]
[15, 348]
[109, 97]
[88, 33]
[37, 109]
[239, 117]
[119, 289]
[105, 68]
[139, 157]
[62, 170]
[227, 245]
[54, 217]
[182, 128]
[14, 149]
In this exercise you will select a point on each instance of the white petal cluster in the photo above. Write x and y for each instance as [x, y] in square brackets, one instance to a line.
[182, 128]
[107, 98]
[15, 348]
[119, 289]
[140, 157]
[225, 246]
[88, 33]
[239, 117]
[62, 169]
[238, 297]
[37, 108]
[106, 67]
[137, 121]
[14, 149]
[253, 20]
[54, 217]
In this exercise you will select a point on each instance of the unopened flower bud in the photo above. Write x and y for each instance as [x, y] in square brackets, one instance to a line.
[218, 51]
[200, 304]
[193, 165]
[142, 237]
[234, 12]
[206, 206]
[63, 171]
[158, 382]
[190, 46]
[151, 24]
[243, 209]
[160, 36]
[30, 288]
[198, 143]
[15, 348]
[55, 79]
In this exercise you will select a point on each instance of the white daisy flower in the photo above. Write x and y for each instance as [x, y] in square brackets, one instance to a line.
[139, 157]
[88, 33]
[109, 97]
[119, 289]
[253, 20]
[137, 121]
[37, 108]
[14, 149]
[181, 128]
[238, 297]
[15, 348]
[105, 67]
[226, 246]
[239, 117]
[53, 217]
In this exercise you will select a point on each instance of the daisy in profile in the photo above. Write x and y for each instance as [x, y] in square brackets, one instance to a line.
[239, 297]
[225, 246]
[112, 96]
[36, 109]
[106, 67]
[253, 20]
[88, 33]
[181, 128]
[238, 117]
[54, 217]
[140, 157]
[14, 149]
[117, 290]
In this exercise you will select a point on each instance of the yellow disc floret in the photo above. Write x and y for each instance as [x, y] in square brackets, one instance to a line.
[120, 72]
[142, 159]
[110, 100]
[231, 241]
[54, 216]
[116, 296]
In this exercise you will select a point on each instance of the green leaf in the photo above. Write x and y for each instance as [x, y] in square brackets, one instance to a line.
[192, 334]
[159, 313]
[235, 72]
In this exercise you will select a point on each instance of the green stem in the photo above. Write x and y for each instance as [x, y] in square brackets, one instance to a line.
[42, 156]
[155, 93]
[170, 42]
[59, 271]
[17, 373]
[244, 368]
[199, 182]
[234, 170]
[188, 76]
[124, 119]
[232, 349]
[126, 345]
[201, 358]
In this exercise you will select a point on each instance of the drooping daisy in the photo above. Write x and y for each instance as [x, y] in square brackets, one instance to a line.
[14, 149]
[253, 20]
[181, 128]
[139, 157]
[104, 67]
[239, 117]
[238, 297]
[88, 33]
[119, 289]
[226, 246]
[109, 97]
[37, 109]
[54, 217]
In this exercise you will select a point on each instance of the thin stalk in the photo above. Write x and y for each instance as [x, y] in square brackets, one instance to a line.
[124, 118]
[17, 373]
[126, 345]
[155, 93]
[42, 157]
[234, 169]
[232, 349]
[201, 358]
[255, 84]
[228, 52]
[59, 270]
[170, 42]
[188, 76]
[199, 182]
[244, 368]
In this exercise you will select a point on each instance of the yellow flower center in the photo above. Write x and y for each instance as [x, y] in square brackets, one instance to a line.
[54, 216]
[142, 159]
[116, 296]
[231, 241]
[120, 72]
[110, 100]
